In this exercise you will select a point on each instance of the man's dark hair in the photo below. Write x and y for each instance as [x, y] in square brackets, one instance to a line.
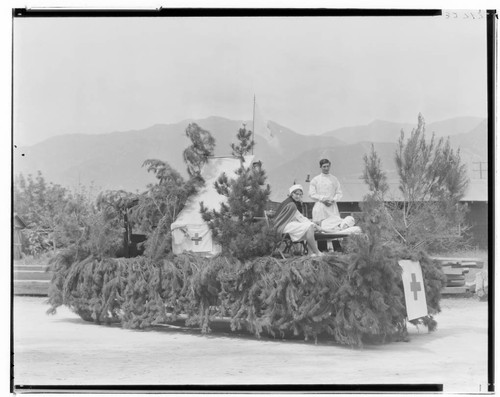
[324, 161]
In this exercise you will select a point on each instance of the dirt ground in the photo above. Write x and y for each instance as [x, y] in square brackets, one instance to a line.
[62, 349]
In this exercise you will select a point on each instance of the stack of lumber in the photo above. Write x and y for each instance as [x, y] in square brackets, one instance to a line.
[31, 279]
[455, 270]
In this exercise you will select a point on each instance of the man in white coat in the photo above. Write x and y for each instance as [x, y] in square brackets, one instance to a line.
[325, 190]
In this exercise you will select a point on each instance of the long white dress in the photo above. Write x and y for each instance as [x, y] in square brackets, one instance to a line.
[297, 227]
[325, 187]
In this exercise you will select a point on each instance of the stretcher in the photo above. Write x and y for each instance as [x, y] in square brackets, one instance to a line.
[338, 236]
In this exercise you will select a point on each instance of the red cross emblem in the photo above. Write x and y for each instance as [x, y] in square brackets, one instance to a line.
[415, 286]
[196, 239]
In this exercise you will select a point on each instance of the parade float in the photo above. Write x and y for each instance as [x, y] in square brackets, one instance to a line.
[208, 258]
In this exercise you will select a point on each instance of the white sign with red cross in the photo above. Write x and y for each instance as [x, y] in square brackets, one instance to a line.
[200, 238]
[413, 283]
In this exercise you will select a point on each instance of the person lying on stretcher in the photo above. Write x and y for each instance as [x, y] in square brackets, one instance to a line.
[336, 224]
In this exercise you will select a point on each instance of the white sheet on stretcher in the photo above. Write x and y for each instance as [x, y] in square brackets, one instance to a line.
[349, 230]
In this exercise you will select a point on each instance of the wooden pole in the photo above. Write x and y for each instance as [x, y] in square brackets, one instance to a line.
[253, 122]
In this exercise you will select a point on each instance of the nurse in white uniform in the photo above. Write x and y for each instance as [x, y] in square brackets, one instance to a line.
[325, 191]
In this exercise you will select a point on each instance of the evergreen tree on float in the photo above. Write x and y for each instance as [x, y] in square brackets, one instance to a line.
[236, 226]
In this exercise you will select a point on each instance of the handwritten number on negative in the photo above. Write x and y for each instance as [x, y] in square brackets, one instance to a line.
[465, 15]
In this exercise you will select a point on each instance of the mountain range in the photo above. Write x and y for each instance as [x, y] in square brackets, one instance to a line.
[387, 131]
[114, 160]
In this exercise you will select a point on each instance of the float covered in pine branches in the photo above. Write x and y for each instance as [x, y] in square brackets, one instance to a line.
[352, 298]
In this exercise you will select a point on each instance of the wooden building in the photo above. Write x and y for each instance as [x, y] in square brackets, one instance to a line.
[17, 238]
[476, 198]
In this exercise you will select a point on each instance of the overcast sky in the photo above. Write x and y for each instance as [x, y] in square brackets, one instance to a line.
[100, 75]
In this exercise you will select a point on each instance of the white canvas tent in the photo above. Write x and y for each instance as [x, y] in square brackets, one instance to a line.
[189, 231]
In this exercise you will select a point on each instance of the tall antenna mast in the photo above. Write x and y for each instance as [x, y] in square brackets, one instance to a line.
[253, 122]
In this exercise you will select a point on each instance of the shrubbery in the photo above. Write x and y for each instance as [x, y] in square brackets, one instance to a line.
[54, 215]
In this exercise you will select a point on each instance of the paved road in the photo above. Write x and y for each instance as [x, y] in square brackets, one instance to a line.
[64, 350]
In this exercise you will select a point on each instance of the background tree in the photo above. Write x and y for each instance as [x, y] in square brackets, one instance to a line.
[54, 215]
[202, 146]
[429, 170]
[432, 180]
[373, 174]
